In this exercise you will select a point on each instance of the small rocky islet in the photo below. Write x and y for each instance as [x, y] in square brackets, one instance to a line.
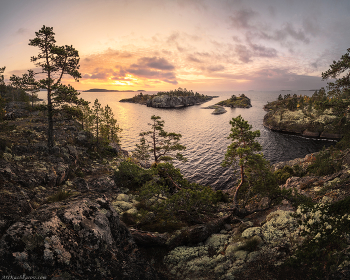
[241, 101]
[81, 236]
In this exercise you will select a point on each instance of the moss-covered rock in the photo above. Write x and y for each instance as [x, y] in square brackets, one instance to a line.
[307, 123]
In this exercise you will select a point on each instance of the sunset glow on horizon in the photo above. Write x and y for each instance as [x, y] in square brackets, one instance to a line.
[201, 45]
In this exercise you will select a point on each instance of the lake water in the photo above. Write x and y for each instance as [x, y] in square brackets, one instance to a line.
[205, 134]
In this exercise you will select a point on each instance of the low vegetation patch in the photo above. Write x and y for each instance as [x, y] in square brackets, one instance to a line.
[60, 195]
[167, 200]
[326, 162]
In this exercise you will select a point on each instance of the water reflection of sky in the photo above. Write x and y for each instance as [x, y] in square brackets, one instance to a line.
[204, 134]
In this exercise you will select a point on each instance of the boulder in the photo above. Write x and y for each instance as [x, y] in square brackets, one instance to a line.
[219, 110]
[78, 239]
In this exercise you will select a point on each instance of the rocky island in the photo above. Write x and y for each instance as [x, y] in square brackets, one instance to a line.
[171, 99]
[217, 109]
[241, 101]
[307, 116]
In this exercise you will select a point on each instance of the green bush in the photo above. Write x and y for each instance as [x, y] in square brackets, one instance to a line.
[283, 174]
[130, 175]
[326, 163]
[325, 229]
[344, 143]
[60, 195]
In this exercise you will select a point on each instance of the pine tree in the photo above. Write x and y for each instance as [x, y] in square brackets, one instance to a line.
[109, 127]
[141, 151]
[163, 145]
[242, 149]
[97, 112]
[27, 83]
[55, 62]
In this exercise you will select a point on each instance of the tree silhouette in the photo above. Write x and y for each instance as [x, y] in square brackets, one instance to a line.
[55, 62]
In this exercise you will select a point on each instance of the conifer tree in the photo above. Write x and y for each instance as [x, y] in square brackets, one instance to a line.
[163, 145]
[141, 151]
[2, 70]
[242, 149]
[27, 83]
[55, 62]
[97, 112]
[109, 127]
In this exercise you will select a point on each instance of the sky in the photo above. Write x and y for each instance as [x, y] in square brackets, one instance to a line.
[201, 45]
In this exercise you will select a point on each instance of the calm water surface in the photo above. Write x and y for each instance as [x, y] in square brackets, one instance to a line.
[205, 134]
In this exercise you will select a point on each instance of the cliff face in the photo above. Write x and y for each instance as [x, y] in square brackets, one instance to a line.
[166, 101]
[308, 124]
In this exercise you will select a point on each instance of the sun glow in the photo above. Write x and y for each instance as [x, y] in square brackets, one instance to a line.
[128, 80]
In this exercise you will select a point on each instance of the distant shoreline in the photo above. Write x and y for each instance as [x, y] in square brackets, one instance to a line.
[110, 90]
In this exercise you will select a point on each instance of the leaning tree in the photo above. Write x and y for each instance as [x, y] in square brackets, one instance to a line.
[243, 151]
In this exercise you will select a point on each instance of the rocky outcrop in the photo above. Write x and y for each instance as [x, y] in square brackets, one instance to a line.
[227, 254]
[241, 101]
[79, 239]
[217, 109]
[308, 124]
[16, 110]
[166, 101]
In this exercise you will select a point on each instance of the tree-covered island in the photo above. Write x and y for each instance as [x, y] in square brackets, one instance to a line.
[321, 115]
[240, 101]
[170, 99]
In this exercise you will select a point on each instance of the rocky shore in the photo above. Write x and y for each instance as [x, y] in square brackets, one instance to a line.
[61, 212]
[217, 109]
[306, 122]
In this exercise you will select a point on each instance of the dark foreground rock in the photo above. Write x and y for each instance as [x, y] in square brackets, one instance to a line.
[78, 239]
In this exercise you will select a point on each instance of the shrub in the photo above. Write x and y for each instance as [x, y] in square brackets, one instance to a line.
[326, 243]
[326, 163]
[60, 195]
[344, 143]
[130, 175]
[283, 174]
[250, 245]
